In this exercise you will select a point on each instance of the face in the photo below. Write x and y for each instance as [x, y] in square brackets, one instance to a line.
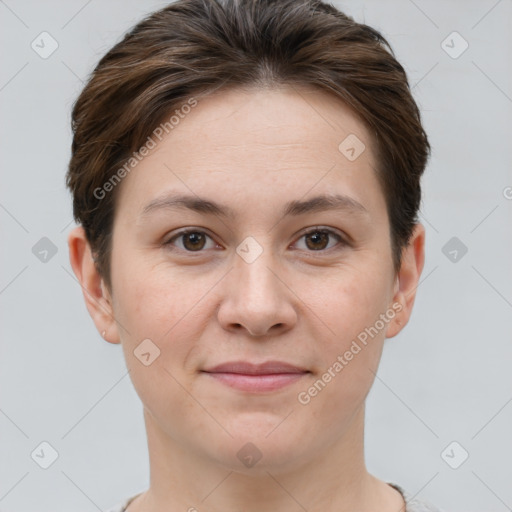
[270, 273]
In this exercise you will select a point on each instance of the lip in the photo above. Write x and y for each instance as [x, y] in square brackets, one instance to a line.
[248, 368]
[256, 377]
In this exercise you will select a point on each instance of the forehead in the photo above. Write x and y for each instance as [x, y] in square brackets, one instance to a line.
[238, 143]
[285, 119]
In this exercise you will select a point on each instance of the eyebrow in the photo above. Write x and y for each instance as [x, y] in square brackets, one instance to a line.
[293, 208]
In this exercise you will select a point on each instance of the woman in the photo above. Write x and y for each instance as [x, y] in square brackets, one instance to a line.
[246, 176]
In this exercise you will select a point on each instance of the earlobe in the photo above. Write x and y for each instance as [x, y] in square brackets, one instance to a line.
[96, 296]
[407, 280]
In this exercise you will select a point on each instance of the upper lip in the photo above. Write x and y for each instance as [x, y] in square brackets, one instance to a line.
[247, 368]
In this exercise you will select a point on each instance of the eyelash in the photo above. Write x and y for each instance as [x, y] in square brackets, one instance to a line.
[341, 241]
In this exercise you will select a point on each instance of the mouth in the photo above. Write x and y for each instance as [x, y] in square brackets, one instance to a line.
[256, 378]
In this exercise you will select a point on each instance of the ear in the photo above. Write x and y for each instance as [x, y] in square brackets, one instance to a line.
[97, 298]
[407, 280]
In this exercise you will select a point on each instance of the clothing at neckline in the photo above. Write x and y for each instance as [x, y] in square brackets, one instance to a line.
[411, 504]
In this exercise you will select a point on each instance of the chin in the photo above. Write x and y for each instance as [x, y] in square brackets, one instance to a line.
[256, 449]
[265, 428]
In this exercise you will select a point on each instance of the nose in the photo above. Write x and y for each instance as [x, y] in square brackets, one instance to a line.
[257, 298]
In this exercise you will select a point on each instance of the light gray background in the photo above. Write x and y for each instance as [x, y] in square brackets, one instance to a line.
[445, 378]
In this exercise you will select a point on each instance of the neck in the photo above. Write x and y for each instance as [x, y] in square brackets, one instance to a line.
[334, 479]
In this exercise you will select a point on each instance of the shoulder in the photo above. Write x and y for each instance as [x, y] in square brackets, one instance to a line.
[121, 506]
[413, 504]
[117, 508]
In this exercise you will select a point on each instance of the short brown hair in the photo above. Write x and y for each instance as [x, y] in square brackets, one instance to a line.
[194, 47]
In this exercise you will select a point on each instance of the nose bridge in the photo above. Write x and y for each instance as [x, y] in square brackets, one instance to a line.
[256, 298]
[255, 280]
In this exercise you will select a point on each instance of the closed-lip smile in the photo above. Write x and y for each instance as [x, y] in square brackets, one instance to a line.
[256, 377]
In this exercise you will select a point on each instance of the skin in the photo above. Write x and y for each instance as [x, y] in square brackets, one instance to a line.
[253, 150]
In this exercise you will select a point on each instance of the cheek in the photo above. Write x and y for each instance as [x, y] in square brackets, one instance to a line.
[157, 306]
[349, 364]
[348, 303]
[172, 309]
[350, 308]
[158, 303]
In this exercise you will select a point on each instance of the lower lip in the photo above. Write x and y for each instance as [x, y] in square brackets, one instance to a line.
[256, 383]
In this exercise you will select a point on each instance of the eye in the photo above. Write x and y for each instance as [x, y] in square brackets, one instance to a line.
[318, 239]
[194, 240]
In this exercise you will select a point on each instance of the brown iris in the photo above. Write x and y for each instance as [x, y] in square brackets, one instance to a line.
[318, 237]
[193, 240]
